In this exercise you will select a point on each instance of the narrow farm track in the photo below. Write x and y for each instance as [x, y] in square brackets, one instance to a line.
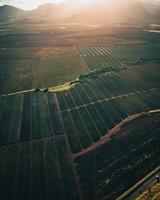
[110, 133]
[17, 93]
[108, 99]
[30, 141]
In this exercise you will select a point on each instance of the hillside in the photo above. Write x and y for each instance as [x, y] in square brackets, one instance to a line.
[7, 12]
[122, 11]
[119, 12]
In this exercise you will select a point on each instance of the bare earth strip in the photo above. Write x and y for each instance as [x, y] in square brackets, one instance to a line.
[110, 133]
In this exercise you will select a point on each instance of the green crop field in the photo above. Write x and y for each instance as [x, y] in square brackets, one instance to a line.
[26, 68]
[99, 57]
[68, 137]
[79, 109]
[119, 56]
[58, 66]
[131, 54]
[132, 153]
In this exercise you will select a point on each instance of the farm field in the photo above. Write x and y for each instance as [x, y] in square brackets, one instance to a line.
[29, 116]
[97, 57]
[26, 68]
[38, 169]
[16, 68]
[79, 142]
[103, 103]
[131, 54]
[133, 150]
[51, 165]
[50, 141]
[92, 123]
[110, 85]
[56, 66]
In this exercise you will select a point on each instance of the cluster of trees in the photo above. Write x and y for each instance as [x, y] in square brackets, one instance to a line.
[96, 73]
[147, 60]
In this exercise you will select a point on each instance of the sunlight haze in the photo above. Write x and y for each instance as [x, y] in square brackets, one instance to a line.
[31, 4]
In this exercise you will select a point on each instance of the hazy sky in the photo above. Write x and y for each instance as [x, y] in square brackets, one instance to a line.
[30, 4]
[27, 4]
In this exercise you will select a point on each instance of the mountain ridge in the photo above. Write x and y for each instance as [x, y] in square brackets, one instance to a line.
[7, 11]
[121, 11]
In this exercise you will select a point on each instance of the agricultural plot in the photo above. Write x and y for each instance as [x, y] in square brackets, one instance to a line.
[37, 170]
[91, 109]
[29, 35]
[97, 57]
[16, 65]
[81, 143]
[132, 53]
[29, 116]
[133, 150]
[119, 56]
[43, 133]
[101, 40]
[93, 121]
[86, 112]
[26, 68]
[109, 86]
[56, 66]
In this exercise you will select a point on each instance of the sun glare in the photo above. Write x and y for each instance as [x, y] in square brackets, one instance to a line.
[32, 4]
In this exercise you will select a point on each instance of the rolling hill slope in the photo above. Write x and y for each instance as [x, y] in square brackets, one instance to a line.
[7, 12]
[122, 11]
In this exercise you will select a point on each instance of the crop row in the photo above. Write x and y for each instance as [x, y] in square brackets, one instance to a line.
[86, 124]
[99, 57]
[109, 86]
[41, 170]
[29, 116]
[130, 54]
[118, 164]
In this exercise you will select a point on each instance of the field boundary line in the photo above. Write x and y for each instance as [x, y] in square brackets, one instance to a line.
[17, 93]
[111, 98]
[111, 132]
[137, 185]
